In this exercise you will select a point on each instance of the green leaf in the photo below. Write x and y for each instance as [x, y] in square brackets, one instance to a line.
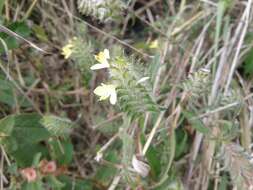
[6, 126]
[24, 155]
[40, 33]
[21, 28]
[170, 184]
[24, 128]
[248, 63]
[9, 143]
[55, 183]
[9, 97]
[181, 143]
[62, 151]
[12, 169]
[56, 125]
[25, 135]
[37, 185]
[1, 6]
[105, 173]
[249, 37]
[224, 182]
[153, 67]
[153, 160]
[196, 123]
[75, 184]
[28, 129]
[36, 159]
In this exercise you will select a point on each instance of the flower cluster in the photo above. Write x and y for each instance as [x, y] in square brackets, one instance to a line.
[104, 91]
[102, 58]
[67, 50]
[45, 168]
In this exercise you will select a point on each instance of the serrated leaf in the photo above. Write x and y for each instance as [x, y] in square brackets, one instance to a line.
[57, 125]
[196, 123]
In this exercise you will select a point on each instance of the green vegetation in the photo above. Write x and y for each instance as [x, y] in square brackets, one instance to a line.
[126, 94]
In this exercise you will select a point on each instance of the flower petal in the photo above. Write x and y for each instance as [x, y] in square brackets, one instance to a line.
[102, 56]
[102, 92]
[106, 54]
[99, 66]
[67, 50]
[29, 174]
[105, 91]
[154, 44]
[98, 57]
[113, 97]
[143, 79]
[99, 156]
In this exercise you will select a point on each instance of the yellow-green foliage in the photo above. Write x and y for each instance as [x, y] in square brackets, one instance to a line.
[135, 97]
[57, 125]
[198, 84]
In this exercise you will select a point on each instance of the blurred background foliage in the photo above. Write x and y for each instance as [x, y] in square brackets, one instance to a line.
[183, 72]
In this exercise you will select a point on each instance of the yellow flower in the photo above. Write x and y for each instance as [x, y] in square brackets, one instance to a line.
[67, 50]
[154, 44]
[107, 91]
[102, 58]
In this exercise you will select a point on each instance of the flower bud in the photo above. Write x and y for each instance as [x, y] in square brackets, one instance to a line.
[29, 174]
